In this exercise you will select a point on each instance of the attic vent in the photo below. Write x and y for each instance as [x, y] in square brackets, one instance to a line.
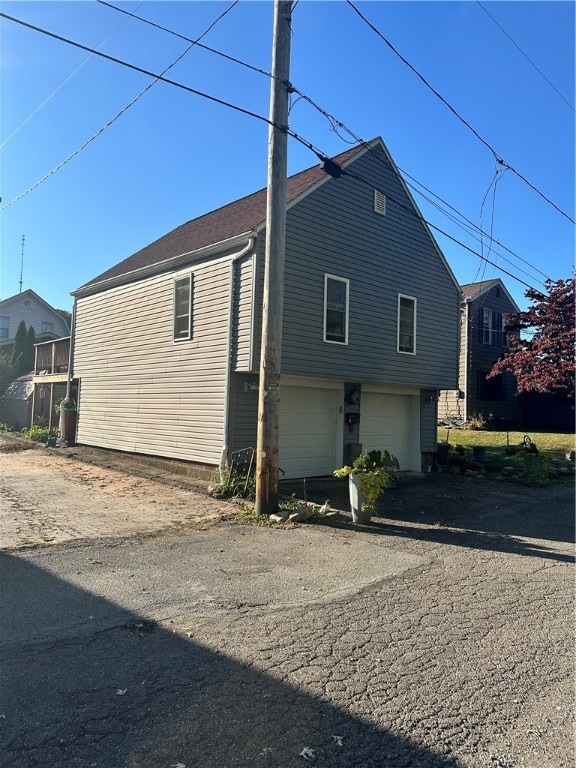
[27, 303]
[379, 202]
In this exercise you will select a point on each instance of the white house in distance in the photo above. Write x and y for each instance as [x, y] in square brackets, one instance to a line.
[48, 323]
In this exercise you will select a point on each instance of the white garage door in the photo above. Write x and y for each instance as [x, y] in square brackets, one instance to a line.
[307, 431]
[385, 424]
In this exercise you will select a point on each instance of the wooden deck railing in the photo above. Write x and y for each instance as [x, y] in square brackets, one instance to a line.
[52, 357]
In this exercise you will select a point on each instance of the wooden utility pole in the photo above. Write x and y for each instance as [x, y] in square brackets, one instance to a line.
[267, 449]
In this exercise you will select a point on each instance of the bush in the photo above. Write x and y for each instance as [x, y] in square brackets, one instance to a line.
[37, 433]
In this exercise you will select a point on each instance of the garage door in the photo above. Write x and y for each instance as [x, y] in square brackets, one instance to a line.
[385, 423]
[307, 431]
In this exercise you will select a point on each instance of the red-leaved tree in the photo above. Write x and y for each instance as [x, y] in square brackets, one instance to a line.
[541, 353]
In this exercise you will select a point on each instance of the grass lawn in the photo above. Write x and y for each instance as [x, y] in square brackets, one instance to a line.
[550, 464]
[555, 444]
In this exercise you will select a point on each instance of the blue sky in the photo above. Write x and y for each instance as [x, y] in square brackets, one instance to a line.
[173, 156]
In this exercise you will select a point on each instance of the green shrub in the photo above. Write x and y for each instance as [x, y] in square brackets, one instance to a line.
[37, 433]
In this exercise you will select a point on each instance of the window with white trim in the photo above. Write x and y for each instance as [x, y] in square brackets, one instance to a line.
[406, 324]
[4, 327]
[46, 327]
[183, 308]
[336, 309]
[491, 330]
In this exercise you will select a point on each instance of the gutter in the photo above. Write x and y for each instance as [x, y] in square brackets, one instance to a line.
[162, 266]
[226, 444]
[62, 440]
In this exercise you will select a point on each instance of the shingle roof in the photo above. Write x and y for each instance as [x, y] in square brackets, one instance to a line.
[241, 216]
[470, 290]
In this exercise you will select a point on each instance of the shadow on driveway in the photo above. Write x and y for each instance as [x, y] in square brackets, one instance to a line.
[482, 514]
[86, 683]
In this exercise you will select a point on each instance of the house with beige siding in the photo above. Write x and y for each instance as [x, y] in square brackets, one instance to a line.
[166, 344]
[483, 341]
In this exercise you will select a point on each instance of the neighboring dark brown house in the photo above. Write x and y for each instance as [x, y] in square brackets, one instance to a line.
[482, 341]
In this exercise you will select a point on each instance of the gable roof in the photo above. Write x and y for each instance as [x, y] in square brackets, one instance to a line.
[242, 216]
[33, 295]
[473, 291]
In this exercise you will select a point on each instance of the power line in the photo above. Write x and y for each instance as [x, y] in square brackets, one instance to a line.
[497, 157]
[528, 59]
[330, 166]
[63, 83]
[188, 39]
[421, 218]
[336, 125]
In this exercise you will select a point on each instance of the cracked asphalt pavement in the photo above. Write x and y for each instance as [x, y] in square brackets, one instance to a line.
[441, 636]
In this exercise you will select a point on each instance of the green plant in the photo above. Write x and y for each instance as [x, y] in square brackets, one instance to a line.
[38, 433]
[373, 469]
[233, 484]
[69, 404]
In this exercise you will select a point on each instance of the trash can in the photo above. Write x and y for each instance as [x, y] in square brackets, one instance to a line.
[442, 452]
[479, 453]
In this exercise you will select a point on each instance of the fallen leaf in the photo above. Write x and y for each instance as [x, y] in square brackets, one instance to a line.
[338, 740]
[122, 691]
[307, 753]
[266, 751]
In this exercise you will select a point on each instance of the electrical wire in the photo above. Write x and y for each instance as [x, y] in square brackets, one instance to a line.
[528, 59]
[321, 156]
[187, 39]
[421, 218]
[63, 83]
[336, 126]
[497, 157]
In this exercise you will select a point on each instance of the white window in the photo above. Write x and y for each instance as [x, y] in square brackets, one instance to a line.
[4, 327]
[491, 331]
[406, 324]
[47, 327]
[336, 309]
[183, 308]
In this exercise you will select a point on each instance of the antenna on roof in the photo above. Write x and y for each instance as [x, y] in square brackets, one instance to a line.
[22, 262]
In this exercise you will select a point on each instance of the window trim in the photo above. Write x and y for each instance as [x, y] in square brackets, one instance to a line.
[493, 333]
[177, 280]
[414, 301]
[346, 282]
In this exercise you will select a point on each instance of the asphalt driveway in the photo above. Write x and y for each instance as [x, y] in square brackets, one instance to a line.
[441, 635]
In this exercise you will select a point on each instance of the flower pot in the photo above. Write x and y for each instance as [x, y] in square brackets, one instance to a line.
[359, 516]
[68, 427]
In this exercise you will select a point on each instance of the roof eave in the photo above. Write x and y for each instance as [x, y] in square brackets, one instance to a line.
[163, 266]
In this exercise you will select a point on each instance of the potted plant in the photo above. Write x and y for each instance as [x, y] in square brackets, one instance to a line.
[66, 408]
[368, 476]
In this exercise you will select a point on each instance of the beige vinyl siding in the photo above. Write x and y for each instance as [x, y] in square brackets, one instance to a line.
[449, 404]
[139, 390]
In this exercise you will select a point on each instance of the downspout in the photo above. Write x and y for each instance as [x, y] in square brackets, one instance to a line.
[225, 447]
[70, 374]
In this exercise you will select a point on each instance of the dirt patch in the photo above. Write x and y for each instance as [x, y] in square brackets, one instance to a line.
[51, 498]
